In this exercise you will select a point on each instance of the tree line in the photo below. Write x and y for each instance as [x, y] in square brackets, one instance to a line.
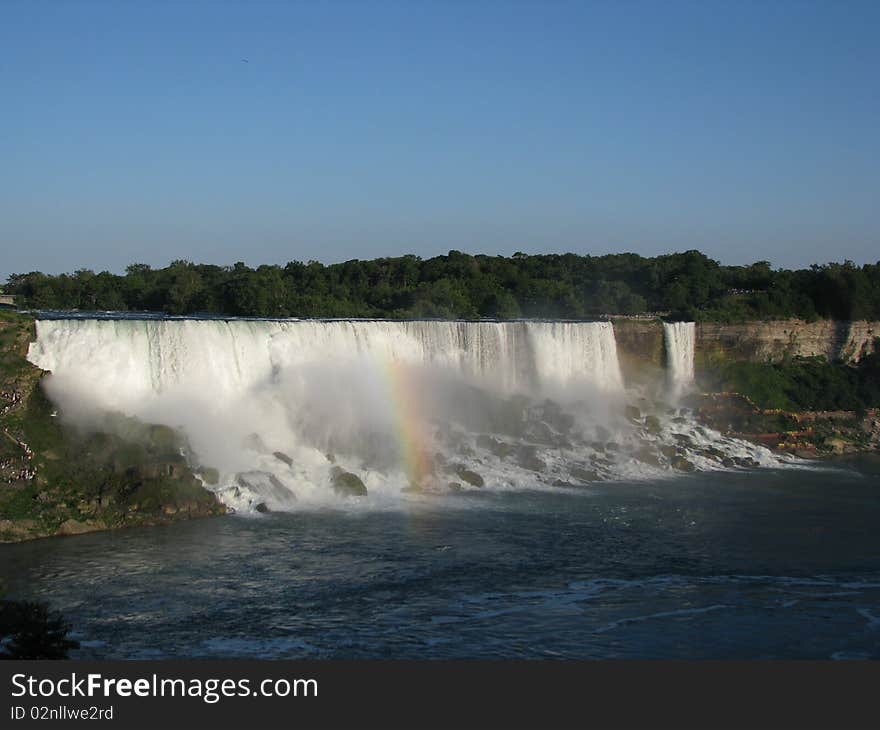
[457, 285]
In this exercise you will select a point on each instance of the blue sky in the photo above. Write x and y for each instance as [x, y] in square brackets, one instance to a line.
[136, 131]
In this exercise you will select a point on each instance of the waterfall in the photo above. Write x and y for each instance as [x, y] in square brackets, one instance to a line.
[123, 360]
[679, 340]
[276, 407]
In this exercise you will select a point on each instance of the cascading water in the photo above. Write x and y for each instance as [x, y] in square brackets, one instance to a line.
[276, 406]
[679, 341]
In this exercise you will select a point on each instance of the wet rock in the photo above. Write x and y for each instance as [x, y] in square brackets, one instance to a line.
[566, 485]
[681, 464]
[683, 439]
[584, 475]
[669, 451]
[648, 456]
[262, 508]
[493, 445]
[553, 414]
[281, 489]
[347, 484]
[728, 462]
[209, 475]
[472, 478]
[454, 486]
[542, 433]
[527, 458]
[75, 527]
[652, 423]
[281, 456]
[632, 413]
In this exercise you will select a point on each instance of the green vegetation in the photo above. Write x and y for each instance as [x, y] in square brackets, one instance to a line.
[56, 479]
[803, 384]
[687, 285]
[28, 630]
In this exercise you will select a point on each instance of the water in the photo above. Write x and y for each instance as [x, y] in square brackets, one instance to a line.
[585, 540]
[764, 563]
[679, 341]
[391, 401]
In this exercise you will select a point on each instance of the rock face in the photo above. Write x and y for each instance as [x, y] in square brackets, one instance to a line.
[639, 345]
[347, 484]
[472, 478]
[640, 341]
[772, 341]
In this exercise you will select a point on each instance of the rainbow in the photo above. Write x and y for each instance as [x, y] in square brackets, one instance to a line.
[409, 421]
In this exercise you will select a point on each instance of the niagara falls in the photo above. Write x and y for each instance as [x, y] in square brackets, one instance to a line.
[388, 360]
[276, 408]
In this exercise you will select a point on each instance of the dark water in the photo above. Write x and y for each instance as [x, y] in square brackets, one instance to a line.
[729, 565]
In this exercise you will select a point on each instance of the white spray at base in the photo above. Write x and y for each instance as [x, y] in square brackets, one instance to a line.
[422, 406]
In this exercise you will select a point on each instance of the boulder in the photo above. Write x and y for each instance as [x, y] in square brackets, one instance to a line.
[681, 464]
[495, 446]
[262, 508]
[527, 458]
[347, 484]
[584, 475]
[281, 456]
[669, 451]
[472, 478]
[75, 527]
[652, 423]
[648, 456]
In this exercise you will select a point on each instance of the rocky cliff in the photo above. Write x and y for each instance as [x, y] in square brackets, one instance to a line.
[774, 340]
[640, 341]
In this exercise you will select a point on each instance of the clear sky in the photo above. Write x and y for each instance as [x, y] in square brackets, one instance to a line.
[269, 131]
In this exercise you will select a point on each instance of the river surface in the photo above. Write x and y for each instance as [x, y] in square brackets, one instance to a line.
[767, 563]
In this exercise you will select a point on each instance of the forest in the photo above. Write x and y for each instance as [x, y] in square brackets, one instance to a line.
[687, 285]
